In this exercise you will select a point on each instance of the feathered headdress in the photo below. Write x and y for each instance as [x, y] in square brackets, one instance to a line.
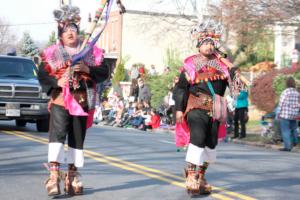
[67, 15]
[207, 30]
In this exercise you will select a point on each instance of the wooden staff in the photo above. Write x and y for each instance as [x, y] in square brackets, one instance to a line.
[94, 23]
[230, 66]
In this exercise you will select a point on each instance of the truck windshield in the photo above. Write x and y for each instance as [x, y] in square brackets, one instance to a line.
[17, 68]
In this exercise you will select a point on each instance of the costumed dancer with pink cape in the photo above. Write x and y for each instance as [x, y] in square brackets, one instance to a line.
[204, 76]
[68, 73]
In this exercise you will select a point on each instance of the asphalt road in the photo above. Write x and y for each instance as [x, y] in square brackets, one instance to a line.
[131, 164]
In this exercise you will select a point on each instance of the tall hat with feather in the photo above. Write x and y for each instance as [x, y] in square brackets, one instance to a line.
[207, 29]
[67, 16]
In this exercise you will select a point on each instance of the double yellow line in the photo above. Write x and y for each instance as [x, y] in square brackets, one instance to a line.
[140, 169]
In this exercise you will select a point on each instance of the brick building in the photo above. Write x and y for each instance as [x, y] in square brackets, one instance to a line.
[144, 37]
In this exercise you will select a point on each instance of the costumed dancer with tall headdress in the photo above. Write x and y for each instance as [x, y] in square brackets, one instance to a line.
[72, 91]
[204, 76]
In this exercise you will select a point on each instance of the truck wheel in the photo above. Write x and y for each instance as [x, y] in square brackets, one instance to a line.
[42, 125]
[20, 123]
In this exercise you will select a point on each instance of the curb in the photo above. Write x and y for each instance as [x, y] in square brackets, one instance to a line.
[159, 130]
[260, 144]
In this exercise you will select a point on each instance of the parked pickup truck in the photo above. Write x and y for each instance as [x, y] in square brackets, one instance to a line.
[21, 96]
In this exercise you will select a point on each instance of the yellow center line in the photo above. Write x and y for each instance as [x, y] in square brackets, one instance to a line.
[154, 176]
[114, 159]
[28, 137]
[140, 169]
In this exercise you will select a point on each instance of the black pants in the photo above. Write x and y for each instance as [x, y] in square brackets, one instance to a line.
[62, 124]
[204, 132]
[239, 122]
[172, 110]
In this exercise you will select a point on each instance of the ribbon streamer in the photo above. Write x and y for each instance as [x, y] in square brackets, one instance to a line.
[70, 103]
[86, 48]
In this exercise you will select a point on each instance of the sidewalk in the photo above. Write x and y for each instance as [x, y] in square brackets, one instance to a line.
[262, 144]
[253, 137]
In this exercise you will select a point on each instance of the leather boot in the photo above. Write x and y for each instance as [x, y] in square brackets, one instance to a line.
[52, 183]
[205, 188]
[72, 184]
[192, 182]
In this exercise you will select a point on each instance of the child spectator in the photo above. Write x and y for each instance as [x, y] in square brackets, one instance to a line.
[138, 120]
[155, 120]
[142, 71]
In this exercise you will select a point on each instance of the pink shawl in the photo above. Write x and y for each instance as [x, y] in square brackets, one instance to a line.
[190, 68]
[56, 60]
[182, 132]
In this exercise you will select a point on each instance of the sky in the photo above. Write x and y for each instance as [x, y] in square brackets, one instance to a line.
[36, 16]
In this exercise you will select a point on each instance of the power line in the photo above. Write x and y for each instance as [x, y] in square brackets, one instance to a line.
[28, 24]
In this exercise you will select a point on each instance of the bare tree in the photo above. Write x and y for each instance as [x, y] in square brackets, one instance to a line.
[259, 13]
[7, 39]
[240, 15]
[252, 21]
[247, 23]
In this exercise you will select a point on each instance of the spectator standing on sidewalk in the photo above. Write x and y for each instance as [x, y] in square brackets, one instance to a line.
[134, 72]
[134, 90]
[288, 111]
[152, 71]
[241, 110]
[144, 91]
[241, 114]
[142, 71]
[171, 100]
[295, 58]
[166, 70]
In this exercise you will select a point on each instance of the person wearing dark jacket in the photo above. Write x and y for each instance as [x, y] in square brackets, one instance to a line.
[72, 102]
[134, 89]
[194, 103]
[144, 91]
[171, 100]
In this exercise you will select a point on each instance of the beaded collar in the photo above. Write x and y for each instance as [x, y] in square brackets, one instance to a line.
[200, 64]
